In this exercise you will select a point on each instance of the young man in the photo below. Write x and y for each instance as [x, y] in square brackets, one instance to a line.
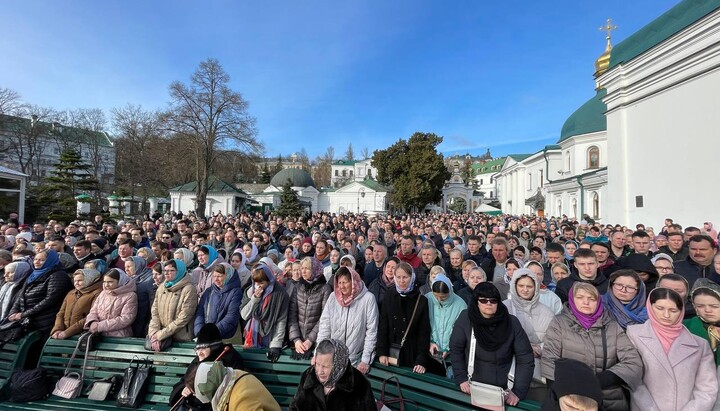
[587, 271]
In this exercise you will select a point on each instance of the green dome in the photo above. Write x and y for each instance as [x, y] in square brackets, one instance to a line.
[589, 118]
[297, 176]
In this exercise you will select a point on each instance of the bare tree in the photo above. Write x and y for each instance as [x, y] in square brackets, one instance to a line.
[89, 133]
[365, 153]
[304, 160]
[10, 101]
[322, 175]
[349, 153]
[213, 117]
[27, 134]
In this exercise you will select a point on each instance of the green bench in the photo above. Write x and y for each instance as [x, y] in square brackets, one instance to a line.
[12, 356]
[281, 378]
[111, 357]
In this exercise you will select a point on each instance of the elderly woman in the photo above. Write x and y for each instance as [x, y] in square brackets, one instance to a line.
[306, 307]
[225, 388]
[265, 308]
[114, 310]
[202, 275]
[174, 307]
[332, 383]
[186, 256]
[220, 305]
[668, 383]
[584, 331]
[444, 308]
[136, 268]
[379, 287]
[42, 294]
[15, 275]
[404, 331]
[625, 300]
[351, 316]
[484, 342]
[76, 306]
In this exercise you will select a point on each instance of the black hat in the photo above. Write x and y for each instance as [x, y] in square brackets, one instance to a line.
[209, 336]
[639, 262]
[575, 377]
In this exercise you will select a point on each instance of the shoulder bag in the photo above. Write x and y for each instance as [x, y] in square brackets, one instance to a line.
[71, 384]
[394, 355]
[384, 402]
[135, 385]
[485, 396]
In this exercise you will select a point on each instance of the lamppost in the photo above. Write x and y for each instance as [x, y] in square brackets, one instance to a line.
[361, 193]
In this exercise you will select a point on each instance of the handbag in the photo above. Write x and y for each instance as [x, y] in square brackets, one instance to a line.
[30, 385]
[71, 383]
[135, 385]
[88, 341]
[10, 331]
[486, 396]
[103, 389]
[383, 403]
[164, 344]
[394, 353]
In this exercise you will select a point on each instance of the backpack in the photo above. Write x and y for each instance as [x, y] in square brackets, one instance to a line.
[30, 385]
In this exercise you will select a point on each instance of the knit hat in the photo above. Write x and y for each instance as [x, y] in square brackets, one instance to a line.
[575, 377]
[100, 242]
[209, 336]
[26, 235]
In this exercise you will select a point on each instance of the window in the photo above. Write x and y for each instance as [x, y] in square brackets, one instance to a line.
[593, 157]
[542, 178]
[529, 180]
[491, 196]
[491, 180]
[336, 173]
[344, 173]
[596, 205]
[351, 173]
[481, 181]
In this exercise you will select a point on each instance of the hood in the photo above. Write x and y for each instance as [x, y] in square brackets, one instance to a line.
[515, 298]
[129, 287]
[639, 262]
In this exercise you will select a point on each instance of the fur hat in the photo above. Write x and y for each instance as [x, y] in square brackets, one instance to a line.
[209, 336]
[575, 377]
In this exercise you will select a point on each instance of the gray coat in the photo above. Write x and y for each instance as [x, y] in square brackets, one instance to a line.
[566, 338]
[306, 307]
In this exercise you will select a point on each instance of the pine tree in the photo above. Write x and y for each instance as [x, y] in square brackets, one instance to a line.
[289, 203]
[72, 176]
[279, 165]
[266, 175]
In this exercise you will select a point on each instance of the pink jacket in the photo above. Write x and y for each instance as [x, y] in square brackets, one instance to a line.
[115, 311]
[684, 379]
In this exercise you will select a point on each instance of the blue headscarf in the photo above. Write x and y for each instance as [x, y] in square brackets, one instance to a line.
[52, 260]
[181, 271]
[410, 287]
[634, 312]
[212, 254]
[568, 256]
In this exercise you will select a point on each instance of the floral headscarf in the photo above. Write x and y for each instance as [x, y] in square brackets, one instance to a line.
[341, 359]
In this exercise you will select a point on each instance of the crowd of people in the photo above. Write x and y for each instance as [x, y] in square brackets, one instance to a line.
[634, 313]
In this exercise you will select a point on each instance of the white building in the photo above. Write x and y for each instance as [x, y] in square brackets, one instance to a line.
[221, 198]
[484, 175]
[344, 171]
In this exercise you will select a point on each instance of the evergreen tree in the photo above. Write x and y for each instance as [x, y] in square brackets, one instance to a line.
[278, 166]
[289, 203]
[266, 175]
[72, 176]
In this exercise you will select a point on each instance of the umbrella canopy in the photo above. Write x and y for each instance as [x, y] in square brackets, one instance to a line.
[486, 209]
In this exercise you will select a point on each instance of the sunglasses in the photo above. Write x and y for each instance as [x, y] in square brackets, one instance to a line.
[492, 301]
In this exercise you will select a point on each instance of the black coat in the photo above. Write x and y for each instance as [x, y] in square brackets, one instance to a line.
[563, 287]
[379, 290]
[41, 300]
[352, 393]
[493, 367]
[395, 313]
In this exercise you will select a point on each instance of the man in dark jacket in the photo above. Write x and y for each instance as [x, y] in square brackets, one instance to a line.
[699, 262]
[495, 266]
[587, 271]
[475, 251]
[430, 257]
[675, 247]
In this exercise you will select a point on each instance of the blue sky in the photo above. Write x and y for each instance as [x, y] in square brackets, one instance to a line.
[503, 75]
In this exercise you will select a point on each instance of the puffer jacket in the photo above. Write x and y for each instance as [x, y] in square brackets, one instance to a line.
[566, 338]
[75, 308]
[306, 307]
[202, 276]
[356, 325]
[221, 306]
[114, 311]
[41, 300]
[173, 311]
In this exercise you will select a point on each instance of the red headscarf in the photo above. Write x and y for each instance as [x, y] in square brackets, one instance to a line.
[357, 287]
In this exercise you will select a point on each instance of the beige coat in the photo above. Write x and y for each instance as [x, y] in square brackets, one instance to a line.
[173, 311]
[684, 379]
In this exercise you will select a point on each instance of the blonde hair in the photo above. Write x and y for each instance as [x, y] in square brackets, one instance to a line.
[587, 287]
[580, 402]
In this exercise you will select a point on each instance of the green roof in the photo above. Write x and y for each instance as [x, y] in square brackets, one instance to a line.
[374, 185]
[344, 162]
[519, 157]
[662, 28]
[215, 185]
[22, 124]
[552, 147]
[589, 118]
[492, 166]
[297, 176]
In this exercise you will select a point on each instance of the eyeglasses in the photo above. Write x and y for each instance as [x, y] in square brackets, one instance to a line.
[661, 268]
[626, 288]
[492, 301]
[166, 238]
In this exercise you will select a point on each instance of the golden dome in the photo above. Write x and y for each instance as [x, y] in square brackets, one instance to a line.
[603, 62]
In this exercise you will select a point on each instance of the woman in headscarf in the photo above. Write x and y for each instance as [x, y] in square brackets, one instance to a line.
[136, 268]
[251, 254]
[534, 316]
[228, 389]
[444, 309]
[625, 300]
[306, 307]
[114, 310]
[379, 287]
[570, 247]
[498, 338]
[76, 306]
[558, 271]
[208, 258]
[680, 373]
[42, 294]
[174, 307]
[265, 308]
[705, 297]
[208, 347]
[404, 328]
[149, 255]
[332, 383]
[330, 270]
[220, 304]
[238, 262]
[584, 331]
[351, 316]
[547, 297]
[186, 256]
[15, 275]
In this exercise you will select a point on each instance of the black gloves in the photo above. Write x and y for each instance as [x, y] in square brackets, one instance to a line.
[608, 379]
[299, 357]
[273, 354]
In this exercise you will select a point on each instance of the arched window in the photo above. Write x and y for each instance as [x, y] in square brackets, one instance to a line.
[593, 157]
[559, 208]
[574, 207]
[596, 205]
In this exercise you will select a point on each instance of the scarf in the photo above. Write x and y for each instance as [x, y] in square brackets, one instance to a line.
[714, 336]
[665, 333]
[357, 287]
[586, 321]
[525, 307]
[265, 315]
[53, 259]
[493, 332]
[212, 255]
[341, 360]
[181, 271]
[568, 256]
[188, 256]
[90, 276]
[124, 278]
[631, 313]
[229, 273]
[253, 254]
[410, 288]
